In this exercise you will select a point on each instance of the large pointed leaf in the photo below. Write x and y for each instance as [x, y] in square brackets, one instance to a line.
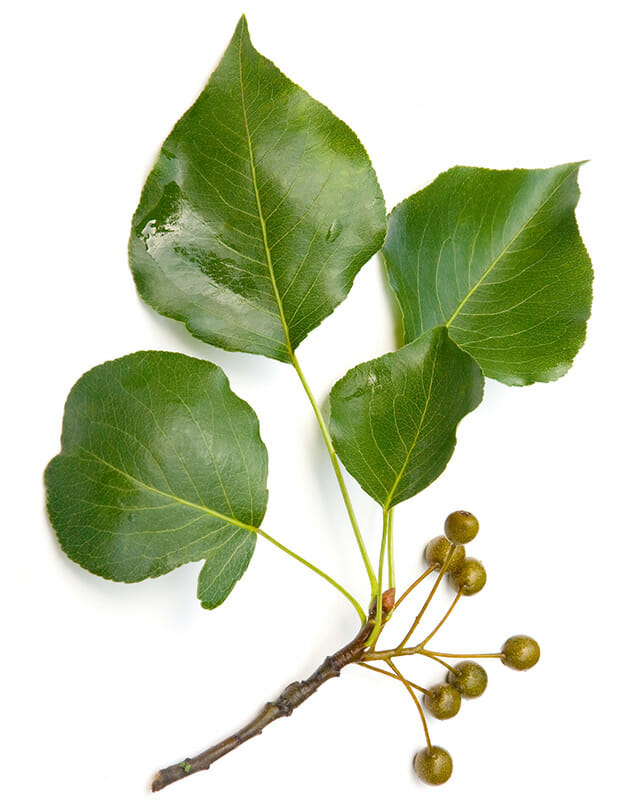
[496, 256]
[394, 419]
[161, 464]
[258, 214]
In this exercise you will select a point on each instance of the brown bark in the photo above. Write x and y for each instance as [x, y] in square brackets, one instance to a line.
[292, 696]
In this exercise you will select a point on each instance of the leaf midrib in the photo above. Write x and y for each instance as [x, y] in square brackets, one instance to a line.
[417, 435]
[263, 223]
[170, 496]
[504, 250]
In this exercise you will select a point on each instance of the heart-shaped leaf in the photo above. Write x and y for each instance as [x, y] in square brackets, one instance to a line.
[259, 213]
[394, 419]
[161, 464]
[496, 256]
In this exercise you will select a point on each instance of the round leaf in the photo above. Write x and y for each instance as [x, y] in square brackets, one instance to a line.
[161, 464]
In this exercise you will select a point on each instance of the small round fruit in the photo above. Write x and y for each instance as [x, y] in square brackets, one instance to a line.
[461, 527]
[437, 551]
[469, 679]
[443, 701]
[470, 577]
[433, 765]
[520, 652]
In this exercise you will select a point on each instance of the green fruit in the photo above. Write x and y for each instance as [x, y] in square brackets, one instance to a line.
[437, 550]
[470, 577]
[433, 765]
[520, 652]
[469, 679]
[461, 527]
[443, 702]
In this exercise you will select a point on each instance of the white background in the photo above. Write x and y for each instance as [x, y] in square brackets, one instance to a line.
[102, 683]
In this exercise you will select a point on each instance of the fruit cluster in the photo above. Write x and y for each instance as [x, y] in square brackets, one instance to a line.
[466, 679]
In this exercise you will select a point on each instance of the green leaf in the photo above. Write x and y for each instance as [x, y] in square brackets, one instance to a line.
[161, 464]
[394, 419]
[259, 213]
[496, 256]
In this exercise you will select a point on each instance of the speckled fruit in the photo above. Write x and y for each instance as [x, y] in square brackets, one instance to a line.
[520, 652]
[469, 679]
[443, 702]
[433, 765]
[437, 551]
[461, 527]
[470, 577]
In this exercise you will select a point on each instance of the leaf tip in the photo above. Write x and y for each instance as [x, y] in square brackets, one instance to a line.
[242, 25]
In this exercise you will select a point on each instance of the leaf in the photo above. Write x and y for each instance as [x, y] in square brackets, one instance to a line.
[259, 213]
[161, 464]
[394, 419]
[496, 256]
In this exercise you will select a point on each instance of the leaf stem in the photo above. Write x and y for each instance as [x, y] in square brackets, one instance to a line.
[317, 570]
[383, 545]
[391, 555]
[339, 477]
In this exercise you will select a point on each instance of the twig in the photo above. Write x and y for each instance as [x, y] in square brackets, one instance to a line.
[292, 696]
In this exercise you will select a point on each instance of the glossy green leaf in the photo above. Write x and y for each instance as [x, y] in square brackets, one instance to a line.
[394, 419]
[259, 213]
[496, 256]
[161, 464]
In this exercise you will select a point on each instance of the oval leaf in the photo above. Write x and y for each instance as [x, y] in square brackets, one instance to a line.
[161, 464]
[258, 214]
[496, 256]
[394, 419]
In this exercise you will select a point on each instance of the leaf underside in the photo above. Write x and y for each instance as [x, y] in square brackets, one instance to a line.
[394, 419]
[495, 256]
[161, 464]
[259, 212]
